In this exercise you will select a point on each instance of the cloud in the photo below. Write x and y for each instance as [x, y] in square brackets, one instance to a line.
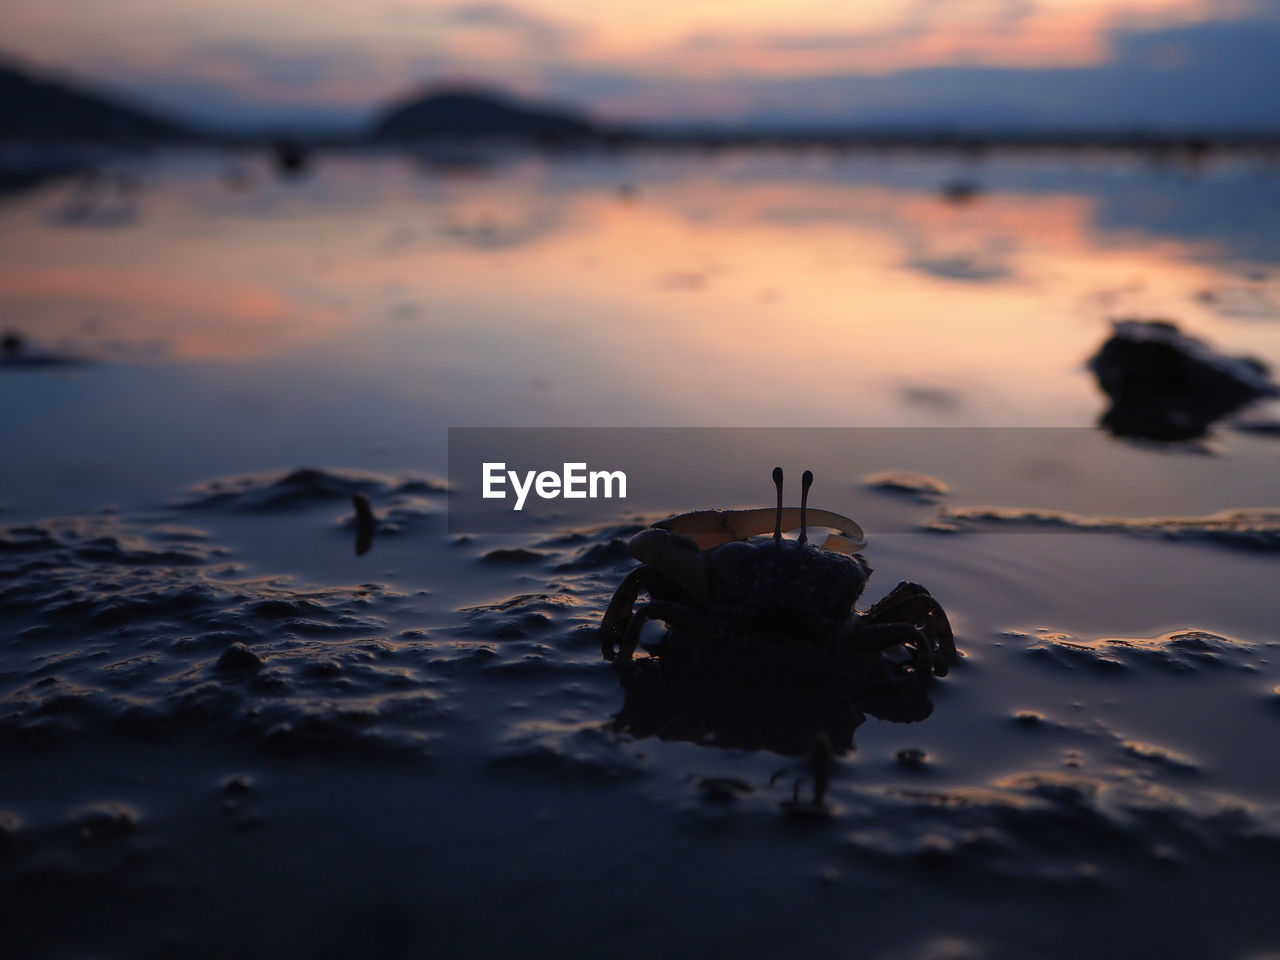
[498, 17]
[277, 67]
[529, 29]
[919, 63]
[1212, 76]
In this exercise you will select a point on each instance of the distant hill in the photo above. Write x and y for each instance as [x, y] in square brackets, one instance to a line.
[478, 114]
[42, 109]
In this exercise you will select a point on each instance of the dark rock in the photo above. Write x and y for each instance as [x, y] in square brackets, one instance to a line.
[1167, 386]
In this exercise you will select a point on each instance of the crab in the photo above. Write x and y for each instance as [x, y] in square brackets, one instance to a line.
[730, 594]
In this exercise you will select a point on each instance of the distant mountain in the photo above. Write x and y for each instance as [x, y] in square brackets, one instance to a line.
[478, 114]
[42, 109]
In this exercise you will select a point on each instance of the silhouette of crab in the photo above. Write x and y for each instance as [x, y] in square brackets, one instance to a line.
[731, 596]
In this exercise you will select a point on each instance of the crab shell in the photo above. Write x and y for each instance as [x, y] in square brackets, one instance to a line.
[787, 589]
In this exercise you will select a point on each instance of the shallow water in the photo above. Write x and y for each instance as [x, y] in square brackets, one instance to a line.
[210, 705]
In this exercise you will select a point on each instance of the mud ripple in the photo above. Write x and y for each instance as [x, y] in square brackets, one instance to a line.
[1182, 651]
[143, 632]
[578, 750]
[923, 487]
[1057, 826]
[1255, 530]
[304, 487]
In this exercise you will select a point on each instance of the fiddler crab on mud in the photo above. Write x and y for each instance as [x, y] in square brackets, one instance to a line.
[729, 594]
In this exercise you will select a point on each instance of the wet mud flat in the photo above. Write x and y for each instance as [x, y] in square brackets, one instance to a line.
[220, 734]
[288, 714]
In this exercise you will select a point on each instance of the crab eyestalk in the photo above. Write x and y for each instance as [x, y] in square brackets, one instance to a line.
[806, 482]
[777, 523]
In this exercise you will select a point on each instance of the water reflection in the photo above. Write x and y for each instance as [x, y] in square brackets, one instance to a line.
[759, 707]
[646, 289]
[101, 199]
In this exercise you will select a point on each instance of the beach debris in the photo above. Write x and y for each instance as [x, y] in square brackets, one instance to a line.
[366, 523]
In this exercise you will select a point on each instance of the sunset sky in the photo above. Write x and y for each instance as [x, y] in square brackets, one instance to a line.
[1005, 63]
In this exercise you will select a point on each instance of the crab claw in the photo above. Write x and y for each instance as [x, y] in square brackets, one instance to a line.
[711, 528]
[675, 556]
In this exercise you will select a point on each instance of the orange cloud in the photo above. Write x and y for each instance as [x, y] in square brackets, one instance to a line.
[364, 52]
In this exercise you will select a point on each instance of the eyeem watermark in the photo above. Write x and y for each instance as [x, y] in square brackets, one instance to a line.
[559, 481]
[574, 482]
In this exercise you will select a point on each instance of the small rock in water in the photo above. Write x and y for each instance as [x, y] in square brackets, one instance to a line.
[1167, 386]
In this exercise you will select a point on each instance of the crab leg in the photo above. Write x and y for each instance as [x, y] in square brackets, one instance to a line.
[617, 616]
[614, 623]
[912, 603]
[879, 637]
[672, 613]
